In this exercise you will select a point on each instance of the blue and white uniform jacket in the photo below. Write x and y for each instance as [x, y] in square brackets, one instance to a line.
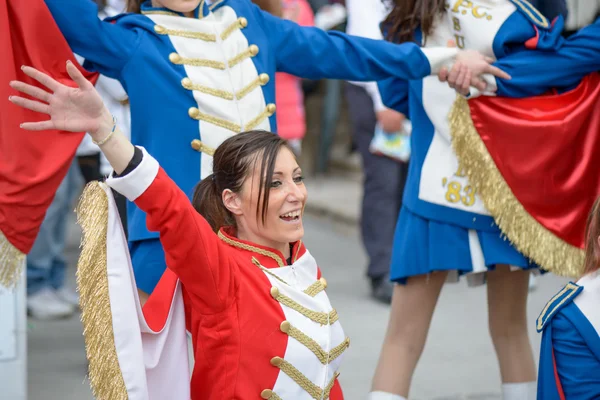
[436, 188]
[193, 82]
[570, 353]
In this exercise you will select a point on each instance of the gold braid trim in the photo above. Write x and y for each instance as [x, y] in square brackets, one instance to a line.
[11, 263]
[308, 342]
[260, 118]
[232, 28]
[223, 123]
[207, 37]
[200, 62]
[186, 83]
[241, 57]
[266, 270]
[315, 391]
[316, 316]
[314, 289]
[524, 232]
[253, 249]
[172, 14]
[250, 87]
[568, 287]
[105, 376]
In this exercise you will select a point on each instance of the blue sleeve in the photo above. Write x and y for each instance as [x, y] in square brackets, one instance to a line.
[394, 94]
[578, 368]
[105, 46]
[312, 53]
[535, 72]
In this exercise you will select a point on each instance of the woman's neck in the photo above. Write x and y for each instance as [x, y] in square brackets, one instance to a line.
[158, 4]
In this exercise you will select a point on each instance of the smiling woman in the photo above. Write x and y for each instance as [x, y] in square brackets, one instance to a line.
[251, 295]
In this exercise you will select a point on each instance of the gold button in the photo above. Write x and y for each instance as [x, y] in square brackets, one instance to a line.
[159, 29]
[186, 82]
[264, 78]
[285, 326]
[266, 394]
[271, 108]
[243, 22]
[276, 361]
[253, 49]
[323, 282]
[174, 58]
[274, 292]
[193, 112]
[197, 145]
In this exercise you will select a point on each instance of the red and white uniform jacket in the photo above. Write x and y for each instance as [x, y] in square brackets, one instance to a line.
[260, 328]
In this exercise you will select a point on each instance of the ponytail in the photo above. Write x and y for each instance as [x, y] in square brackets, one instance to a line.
[208, 202]
[592, 247]
[134, 6]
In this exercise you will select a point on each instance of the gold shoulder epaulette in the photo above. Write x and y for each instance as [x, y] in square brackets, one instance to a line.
[561, 299]
[532, 13]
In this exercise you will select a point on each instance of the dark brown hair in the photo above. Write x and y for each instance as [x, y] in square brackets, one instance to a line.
[408, 15]
[234, 161]
[134, 6]
[592, 232]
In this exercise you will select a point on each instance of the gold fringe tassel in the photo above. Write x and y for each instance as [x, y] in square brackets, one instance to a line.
[105, 375]
[523, 231]
[11, 263]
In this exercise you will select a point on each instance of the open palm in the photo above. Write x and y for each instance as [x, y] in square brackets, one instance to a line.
[71, 109]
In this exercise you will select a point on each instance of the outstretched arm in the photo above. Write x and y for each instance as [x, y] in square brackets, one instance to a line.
[105, 45]
[192, 249]
[315, 54]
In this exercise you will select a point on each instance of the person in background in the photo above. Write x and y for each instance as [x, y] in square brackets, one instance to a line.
[291, 119]
[384, 177]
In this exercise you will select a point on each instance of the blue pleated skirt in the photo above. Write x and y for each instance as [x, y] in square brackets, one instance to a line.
[422, 246]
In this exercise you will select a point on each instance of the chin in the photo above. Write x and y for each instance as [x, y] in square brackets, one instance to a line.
[295, 235]
[184, 5]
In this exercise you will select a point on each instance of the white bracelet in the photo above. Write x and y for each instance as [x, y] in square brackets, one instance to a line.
[107, 138]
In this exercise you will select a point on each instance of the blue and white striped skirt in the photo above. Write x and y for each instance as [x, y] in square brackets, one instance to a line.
[422, 246]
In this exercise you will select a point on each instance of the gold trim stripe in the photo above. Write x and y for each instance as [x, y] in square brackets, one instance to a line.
[308, 342]
[253, 249]
[257, 263]
[267, 112]
[106, 379]
[314, 289]
[198, 62]
[524, 232]
[568, 287]
[532, 12]
[315, 391]
[250, 87]
[240, 23]
[172, 14]
[207, 37]
[223, 123]
[187, 83]
[249, 52]
[316, 316]
[11, 263]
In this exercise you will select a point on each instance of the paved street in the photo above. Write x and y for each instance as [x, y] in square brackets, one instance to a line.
[458, 362]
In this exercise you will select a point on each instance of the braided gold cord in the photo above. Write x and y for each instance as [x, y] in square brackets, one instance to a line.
[240, 57]
[315, 391]
[323, 356]
[231, 28]
[314, 289]
[223, 123]
[253, 249]
[318, 317]
[260, 118]
[200, 62]
[207, 37]
[205, 89]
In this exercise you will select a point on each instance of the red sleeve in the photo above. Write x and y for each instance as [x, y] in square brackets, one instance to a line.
[193, 251]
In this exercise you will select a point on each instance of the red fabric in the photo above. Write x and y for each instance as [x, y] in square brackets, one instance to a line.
[32, 164]
[547, 151]
[559, 388]
[533, 42]
[233, 319]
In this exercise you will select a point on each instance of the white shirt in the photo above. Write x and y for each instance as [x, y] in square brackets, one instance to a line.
[364, 17]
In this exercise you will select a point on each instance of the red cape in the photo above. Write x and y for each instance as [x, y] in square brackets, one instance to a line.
[32, 164]
[534, 162]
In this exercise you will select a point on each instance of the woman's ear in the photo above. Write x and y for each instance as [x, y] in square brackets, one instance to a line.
[232, 202]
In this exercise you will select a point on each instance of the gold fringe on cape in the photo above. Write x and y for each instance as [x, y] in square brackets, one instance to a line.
[11, 263]
[105, 374]
[525, 233]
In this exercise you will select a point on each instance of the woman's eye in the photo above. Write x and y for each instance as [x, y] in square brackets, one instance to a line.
[299, 179]
[275, 184]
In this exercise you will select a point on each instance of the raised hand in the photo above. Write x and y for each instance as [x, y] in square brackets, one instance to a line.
[77, 109]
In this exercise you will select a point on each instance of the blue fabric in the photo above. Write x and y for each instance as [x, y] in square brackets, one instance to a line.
[46, 265]
[576, 346]
[422, 246]
[148, 259]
